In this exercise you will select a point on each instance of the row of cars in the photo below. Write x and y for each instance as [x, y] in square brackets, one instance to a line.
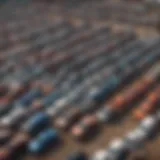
[36, 120]
[138, 13]
[58, 76]
[136, 139]
[117, 106]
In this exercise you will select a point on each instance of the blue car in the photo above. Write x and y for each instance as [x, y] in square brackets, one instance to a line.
[36, 123]
[43, 141]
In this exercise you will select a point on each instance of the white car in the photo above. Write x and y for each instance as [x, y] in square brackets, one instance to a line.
[13, 117]
[117, 151]
[104, 115]
[100, 155]
[150, 125]
[135, 139]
